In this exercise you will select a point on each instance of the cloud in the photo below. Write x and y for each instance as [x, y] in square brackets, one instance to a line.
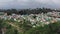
[29, 3]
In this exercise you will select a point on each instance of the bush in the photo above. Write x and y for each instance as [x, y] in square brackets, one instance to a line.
[47, 29]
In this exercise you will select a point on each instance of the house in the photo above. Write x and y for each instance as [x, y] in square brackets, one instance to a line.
[54, 14]
[3, 13]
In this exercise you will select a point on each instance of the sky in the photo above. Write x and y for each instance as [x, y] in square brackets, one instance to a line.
[22, 4]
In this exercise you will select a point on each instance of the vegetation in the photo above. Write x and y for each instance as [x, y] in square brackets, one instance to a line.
[28, 11]
[29, 24]
[8, 27]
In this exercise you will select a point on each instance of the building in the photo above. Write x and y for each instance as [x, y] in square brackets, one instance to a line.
[54, 14]
[3, 13]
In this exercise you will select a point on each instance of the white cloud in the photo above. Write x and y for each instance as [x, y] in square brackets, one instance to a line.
[56, 1]
[29, 3]
[6, 0]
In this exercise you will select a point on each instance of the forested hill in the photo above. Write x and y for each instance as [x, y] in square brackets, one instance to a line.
[28, 11]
